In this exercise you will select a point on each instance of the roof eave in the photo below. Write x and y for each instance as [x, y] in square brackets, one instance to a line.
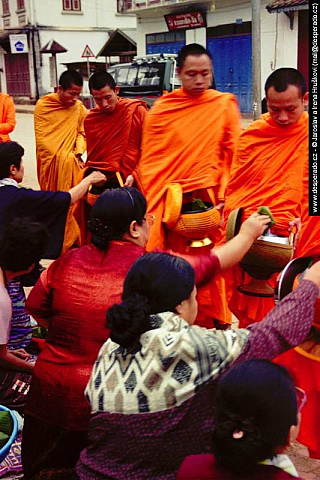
[287, 9]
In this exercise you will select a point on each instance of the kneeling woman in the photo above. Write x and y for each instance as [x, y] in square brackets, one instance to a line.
[152, 386]
[257, 417]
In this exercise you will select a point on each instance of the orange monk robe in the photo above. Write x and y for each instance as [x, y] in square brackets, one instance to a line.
[268, 169]
[114, 139]
[190, 141]
[60, 137]
[113, 145]
[7, 117]
[309, 242]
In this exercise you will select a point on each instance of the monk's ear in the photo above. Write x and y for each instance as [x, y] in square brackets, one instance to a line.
[117, 90]
[305, 99]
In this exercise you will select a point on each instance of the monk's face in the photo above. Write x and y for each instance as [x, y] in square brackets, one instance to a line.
[69, 96]
[106, 98]
[196, 74]
[286, 107]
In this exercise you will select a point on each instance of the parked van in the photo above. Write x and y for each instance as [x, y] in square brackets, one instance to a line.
[147, 77]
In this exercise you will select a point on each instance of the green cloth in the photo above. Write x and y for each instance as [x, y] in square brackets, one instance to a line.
[5, 422]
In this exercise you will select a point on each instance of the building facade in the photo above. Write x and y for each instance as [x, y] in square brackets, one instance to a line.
[28, 25]
[225, 29]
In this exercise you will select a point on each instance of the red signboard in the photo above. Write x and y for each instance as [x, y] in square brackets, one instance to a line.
[182, 21]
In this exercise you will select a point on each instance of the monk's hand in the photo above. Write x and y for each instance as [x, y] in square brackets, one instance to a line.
[129, 181]
[80, 161]
[295, 227]
[255, 225]
[220, 207]
[313, 274]
[96, 178]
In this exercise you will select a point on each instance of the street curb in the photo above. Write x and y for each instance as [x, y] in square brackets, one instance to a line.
[24, 108]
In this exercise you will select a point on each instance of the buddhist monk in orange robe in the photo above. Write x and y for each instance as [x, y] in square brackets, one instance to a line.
[304, 361]
[60, 142]
[268, 170]
[113, 131]
[7, 117]
[189, 138]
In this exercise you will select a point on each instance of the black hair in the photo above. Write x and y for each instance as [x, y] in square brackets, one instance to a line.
[22, 244]
[156, 282]
[11, 153]
[281, 78]
[99, 80]
[68, 77]
[256, 400]
[112, 214]
[191, 49]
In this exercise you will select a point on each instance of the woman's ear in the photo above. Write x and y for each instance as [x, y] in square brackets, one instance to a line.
[181, 308]
[133, 230]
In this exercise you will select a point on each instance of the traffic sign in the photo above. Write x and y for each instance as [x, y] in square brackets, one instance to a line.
[87, 52]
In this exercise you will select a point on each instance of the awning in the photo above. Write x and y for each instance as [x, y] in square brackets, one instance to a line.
[287, 5]
[53, 47]
[118, 44]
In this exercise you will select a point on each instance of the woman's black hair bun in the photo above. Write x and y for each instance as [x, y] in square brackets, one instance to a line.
[103, 233]
[129, 320]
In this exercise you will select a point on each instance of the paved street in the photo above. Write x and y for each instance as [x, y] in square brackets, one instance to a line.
[24, 134]
[308, 469]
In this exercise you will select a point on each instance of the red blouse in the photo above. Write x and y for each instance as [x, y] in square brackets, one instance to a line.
[74, 294]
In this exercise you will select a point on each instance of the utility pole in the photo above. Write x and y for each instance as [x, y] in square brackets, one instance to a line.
[256, 58]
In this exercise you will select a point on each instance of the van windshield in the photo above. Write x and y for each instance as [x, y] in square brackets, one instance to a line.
[140, 75]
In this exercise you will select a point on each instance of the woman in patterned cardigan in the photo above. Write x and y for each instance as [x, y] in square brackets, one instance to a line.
[151, 389]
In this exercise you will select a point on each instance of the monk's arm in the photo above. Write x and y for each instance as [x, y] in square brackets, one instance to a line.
[81, 145]
[131, 159]
[10, 117]
[229, 141]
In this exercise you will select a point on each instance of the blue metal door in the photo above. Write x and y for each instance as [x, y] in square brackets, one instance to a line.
[232, 65]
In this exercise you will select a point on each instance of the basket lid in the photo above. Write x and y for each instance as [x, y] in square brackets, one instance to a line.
[288, 280]
[173, 204]
[233, 223]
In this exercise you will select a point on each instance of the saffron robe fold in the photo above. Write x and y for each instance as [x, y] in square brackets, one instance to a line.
[189, 140]
[114, 139]
[60, 136]
[309, 242]
[7, 117]
[305, 370]
[268, 169]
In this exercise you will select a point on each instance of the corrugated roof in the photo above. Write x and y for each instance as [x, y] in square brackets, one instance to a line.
[287, 5]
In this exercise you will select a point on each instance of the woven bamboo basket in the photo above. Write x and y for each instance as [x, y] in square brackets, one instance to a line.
[267, 256]
[198, 224]
[194, 225]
